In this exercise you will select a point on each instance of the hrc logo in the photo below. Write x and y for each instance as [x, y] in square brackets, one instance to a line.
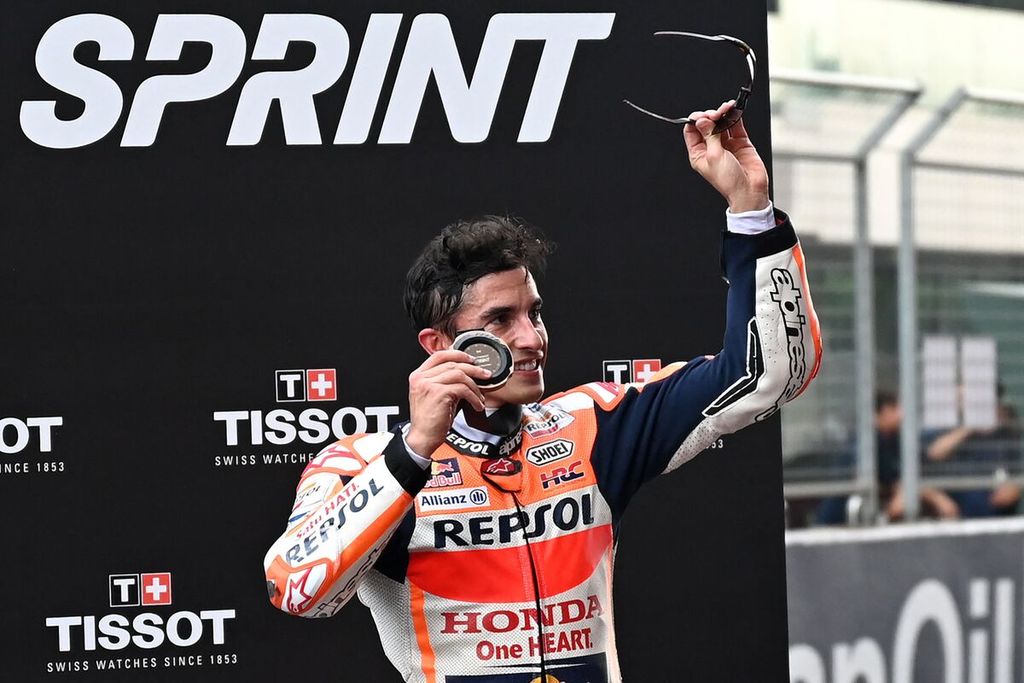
[562, 475]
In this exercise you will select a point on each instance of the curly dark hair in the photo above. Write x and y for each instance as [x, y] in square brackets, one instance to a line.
[464, 252]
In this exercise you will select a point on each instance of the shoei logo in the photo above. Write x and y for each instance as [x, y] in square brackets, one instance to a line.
[550, 452]
[430, 55]
[306, 385]
[145, 631]
[638, 371]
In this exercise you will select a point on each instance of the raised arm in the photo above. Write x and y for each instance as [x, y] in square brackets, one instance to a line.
[771, 349]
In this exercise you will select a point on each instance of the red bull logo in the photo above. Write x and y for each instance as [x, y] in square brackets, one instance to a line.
[444, 473]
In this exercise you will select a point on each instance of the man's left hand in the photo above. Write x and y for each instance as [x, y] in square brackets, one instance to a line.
[727, 160]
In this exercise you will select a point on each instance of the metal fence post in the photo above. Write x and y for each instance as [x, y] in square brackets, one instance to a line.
[863, 263]
[907, 323]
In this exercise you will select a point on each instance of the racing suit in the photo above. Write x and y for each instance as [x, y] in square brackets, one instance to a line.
[494, 564]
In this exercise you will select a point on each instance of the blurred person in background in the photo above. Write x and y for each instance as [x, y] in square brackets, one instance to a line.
[985, 451]
[888, 419]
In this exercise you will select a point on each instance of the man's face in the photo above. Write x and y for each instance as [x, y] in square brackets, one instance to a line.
[888, 418]
[507, 305]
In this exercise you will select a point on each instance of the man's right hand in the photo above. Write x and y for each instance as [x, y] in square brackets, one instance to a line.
[435, 389]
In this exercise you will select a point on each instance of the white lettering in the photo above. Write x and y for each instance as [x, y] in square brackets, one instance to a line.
[64, 625]
[1003, 626]
[195, 629]
[231, 418]
[382, 413]
[863, 663]
[430, 53]
[20, 432]
[930, 601]
[470, 106]
[55, 62]
[280, 429]
[295, 89]
[368, 79]
[171, 33]
[217, 618]
[114, 625]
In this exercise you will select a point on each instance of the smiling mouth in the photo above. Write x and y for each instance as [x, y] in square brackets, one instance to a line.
[527, 365]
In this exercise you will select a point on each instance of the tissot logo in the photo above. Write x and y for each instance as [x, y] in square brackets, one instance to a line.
[17, 434]
[626, 371]
[431, 55]
[145, 630]
[295, 386]
[131, 590]
[285, 426]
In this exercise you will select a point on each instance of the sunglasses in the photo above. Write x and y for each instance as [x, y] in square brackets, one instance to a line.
[731, 117]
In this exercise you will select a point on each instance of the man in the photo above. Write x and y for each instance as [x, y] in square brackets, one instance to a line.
[980, 451]
[481, 534]
[888, 419]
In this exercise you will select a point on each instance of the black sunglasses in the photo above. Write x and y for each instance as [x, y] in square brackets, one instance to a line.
[730, 117]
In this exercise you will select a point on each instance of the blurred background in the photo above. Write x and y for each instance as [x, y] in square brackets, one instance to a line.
[899, 149]
[898, 143]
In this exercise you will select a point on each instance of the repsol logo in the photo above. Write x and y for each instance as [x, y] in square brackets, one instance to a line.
[147, 630]
[484, 449]
[430, 54]
[566, 514]
[550, 424]
[329, 521]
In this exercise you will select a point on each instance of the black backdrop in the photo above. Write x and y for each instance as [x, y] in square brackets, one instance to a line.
[146, 289]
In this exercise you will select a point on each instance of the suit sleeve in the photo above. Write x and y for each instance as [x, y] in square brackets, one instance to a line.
[349, 502]
[771, 352]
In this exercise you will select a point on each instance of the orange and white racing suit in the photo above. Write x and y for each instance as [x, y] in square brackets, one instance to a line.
[494, 564]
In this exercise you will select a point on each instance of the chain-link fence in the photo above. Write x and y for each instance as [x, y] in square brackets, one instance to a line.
[947, 301]
[964, 228]
[824, 128]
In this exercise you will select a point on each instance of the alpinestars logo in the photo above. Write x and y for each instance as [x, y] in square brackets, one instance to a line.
[142, 632]
[295, 429]
[431, 54]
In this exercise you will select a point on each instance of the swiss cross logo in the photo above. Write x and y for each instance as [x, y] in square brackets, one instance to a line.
[133, 590]
[646, 368]
[626, 371]
[321, 385]
[156, 588]
[317, 384]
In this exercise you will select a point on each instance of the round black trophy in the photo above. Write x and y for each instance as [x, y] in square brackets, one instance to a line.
[488, 351]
